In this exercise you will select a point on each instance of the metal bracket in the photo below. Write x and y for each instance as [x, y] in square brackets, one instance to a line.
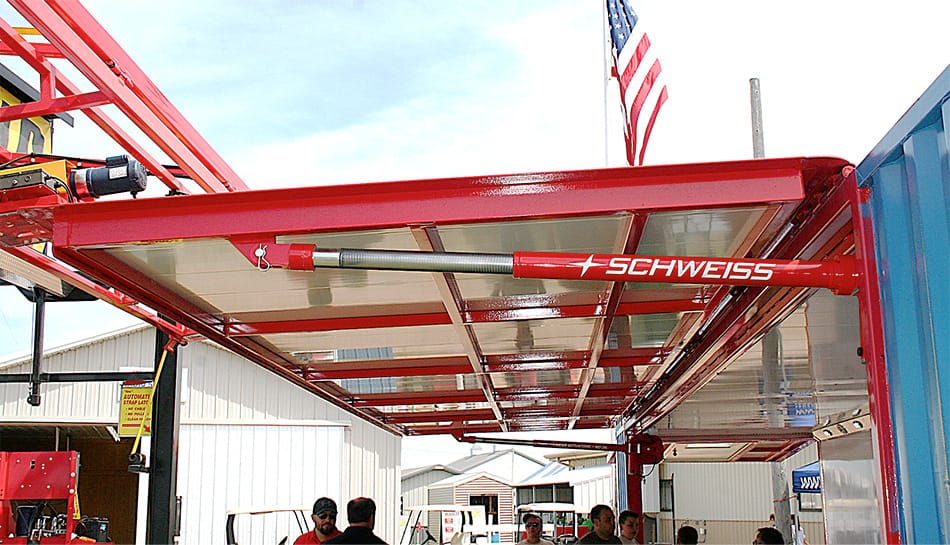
[261, 253]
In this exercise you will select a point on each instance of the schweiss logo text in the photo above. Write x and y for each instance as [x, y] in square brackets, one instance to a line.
[698, 269]
[811, 483]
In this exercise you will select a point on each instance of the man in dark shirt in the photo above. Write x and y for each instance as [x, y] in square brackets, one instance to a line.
[768, 536]
[687, 535]
[361, 514]
[604, 523]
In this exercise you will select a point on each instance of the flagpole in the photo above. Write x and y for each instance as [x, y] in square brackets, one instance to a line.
[603, 41]
[758, 138]
[773, 364]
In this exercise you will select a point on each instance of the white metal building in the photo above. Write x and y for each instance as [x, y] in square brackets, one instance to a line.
[584, 487]
[416, 481]
[728, 501]
[248, 437]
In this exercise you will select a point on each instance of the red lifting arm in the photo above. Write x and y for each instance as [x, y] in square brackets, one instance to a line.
[839, 274]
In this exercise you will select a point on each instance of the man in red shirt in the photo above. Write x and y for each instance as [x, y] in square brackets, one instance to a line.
[324, 521]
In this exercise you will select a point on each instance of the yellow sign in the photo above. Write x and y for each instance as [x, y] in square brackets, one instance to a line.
[134, 407]
[33, 135]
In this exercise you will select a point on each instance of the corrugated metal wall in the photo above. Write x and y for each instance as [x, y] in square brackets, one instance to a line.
[96, 402]
[720, 491]
[730, 500]
[907, 176]
[222, 389]
[226, 388]
[594, 491]
[730, 490]
[414, 488]
[225, 467]
[445, 495]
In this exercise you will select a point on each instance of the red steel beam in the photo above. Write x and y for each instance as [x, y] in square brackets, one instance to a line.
[601, 330]
[402, 367]
[435, 397]
[89, 47]
[439, 201]
[733, 330]
[177, 332]
[545, 443]
[517, 413]
[53, 106]
[731, 435]
[32, 56]
[429, 397]
[44, 49]
[460, 429]
[438, 416]
[382, 317]
[872, 346]
[428, 429]
[460, 365]
[244, 329]
[619, 357]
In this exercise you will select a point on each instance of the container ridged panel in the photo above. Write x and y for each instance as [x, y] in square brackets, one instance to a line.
[907, 176]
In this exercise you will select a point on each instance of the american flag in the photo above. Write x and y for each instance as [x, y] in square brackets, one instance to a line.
[642, 90]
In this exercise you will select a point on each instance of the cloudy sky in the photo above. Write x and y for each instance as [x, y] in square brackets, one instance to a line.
[340, 91]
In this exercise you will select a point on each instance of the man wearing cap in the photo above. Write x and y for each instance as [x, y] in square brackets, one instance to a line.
[324, 523]
[532, 530]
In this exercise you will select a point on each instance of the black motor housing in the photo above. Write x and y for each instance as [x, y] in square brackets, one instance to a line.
[121, 173]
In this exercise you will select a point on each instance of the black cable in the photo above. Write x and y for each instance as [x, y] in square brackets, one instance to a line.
[14, 160]
[59, 183]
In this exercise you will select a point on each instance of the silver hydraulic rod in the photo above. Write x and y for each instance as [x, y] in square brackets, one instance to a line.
[397, 260]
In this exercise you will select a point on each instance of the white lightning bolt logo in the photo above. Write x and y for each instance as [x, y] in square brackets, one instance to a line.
[584, 265]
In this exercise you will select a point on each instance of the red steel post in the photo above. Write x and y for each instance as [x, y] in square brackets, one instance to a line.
[872, 351]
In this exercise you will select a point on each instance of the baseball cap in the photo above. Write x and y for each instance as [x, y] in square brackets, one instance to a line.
[323, 505]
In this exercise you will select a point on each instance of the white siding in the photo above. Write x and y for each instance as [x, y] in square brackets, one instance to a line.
[414, 488]
[438, 496]
[720, 491]
[224, 387]
[225, 467]
[730, 490]
[511, 467]
[651, 489]
[599, 490]
[93, 402]
[219, 388]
